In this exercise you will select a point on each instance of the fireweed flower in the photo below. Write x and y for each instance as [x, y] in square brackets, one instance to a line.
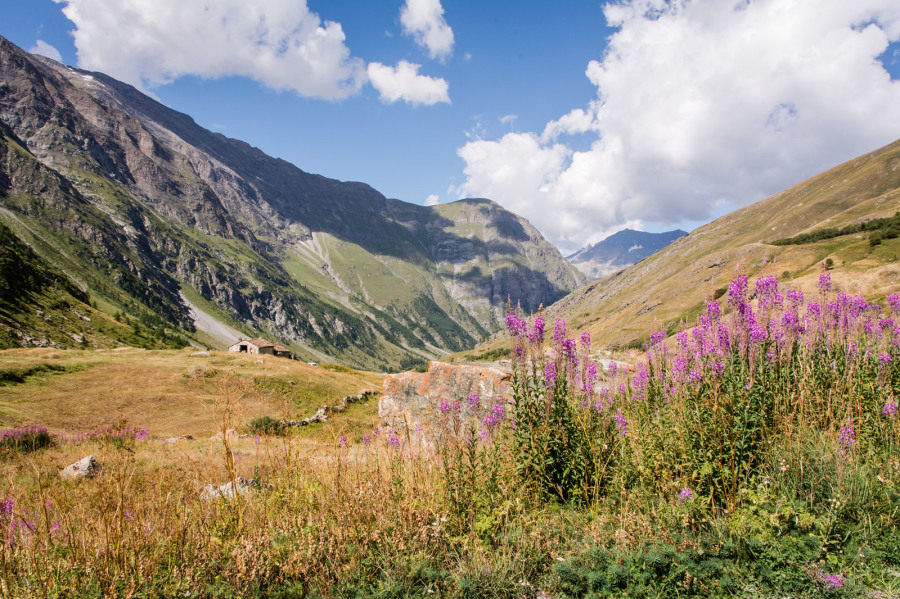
[884, 359]
[890, 409]
[847, 437]
[685, 494]
[612, 368]
[622, 424]
[590, 377]
[366, 439]
[657, 338]
[550, 375]
[7, 508]
[569, 348]
[894, 301]
[394, 441]
[825, 282]
[342, 440]
[474, 401]
[559, 330]
[536, 336]
[713, 311]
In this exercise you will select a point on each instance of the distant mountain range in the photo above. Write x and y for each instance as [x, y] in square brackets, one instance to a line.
[128, 223]
[619, 250]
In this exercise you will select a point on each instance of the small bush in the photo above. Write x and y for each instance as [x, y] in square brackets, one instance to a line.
[267, 425]
[29, 437]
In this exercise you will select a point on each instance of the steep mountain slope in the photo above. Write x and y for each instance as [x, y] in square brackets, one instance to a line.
[619, 250]
[156, 217]
[667, 290]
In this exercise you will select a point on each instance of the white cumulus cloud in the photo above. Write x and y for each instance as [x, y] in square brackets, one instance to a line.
[45, 49]
[403, 82]
[424, 21]
[432, 200]
[701, 106]
[280, 43]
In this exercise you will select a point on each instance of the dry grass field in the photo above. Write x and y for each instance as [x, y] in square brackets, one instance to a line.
[169, 393]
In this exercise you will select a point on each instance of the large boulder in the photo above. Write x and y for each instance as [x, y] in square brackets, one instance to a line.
[87, 467]
[411, 401]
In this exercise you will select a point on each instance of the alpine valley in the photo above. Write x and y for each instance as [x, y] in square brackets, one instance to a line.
[124, 222]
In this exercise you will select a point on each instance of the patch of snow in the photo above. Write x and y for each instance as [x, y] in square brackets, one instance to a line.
[635, 247]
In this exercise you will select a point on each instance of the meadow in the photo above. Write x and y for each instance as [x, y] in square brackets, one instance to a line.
[755, 453]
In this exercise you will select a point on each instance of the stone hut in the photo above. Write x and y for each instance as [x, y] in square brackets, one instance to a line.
[260, 346]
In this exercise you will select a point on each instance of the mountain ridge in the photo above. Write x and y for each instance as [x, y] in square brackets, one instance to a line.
[253, 240]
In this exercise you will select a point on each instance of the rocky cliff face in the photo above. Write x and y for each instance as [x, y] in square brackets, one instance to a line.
[142, 207]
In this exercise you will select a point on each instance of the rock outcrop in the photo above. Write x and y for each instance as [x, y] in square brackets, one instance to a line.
[411, 402]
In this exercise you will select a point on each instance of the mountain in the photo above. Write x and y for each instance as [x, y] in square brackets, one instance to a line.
[846, 217]
[619, 250]
[190, 233]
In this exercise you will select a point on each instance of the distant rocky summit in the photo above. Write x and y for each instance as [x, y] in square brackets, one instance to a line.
[620, 250]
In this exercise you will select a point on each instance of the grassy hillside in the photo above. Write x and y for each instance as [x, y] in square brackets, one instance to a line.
[666, 291]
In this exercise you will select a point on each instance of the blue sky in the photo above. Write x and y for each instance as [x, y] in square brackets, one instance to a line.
[584, 117]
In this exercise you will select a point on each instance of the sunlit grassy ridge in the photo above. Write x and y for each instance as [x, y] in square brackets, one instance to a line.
[665, 289]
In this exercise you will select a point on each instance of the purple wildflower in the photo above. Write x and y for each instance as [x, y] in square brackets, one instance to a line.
[835, 581]
[569, 348]
[550, 375]
[366, 439]
[890, 409]
[894, 302]
[7, 508]
[342, 440]
[657, 338]
[622, 424]
[394, 441]
[713, 311]
[685, 495]
[825, 282]
[474, 401]
[536, 337]
[847, 437]
[559, 330]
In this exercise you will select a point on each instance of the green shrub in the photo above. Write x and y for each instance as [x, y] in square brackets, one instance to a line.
[267, 425]
[29, 437]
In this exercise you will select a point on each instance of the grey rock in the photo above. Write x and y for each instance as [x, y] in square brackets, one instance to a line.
[227, 490]
[87, 467]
